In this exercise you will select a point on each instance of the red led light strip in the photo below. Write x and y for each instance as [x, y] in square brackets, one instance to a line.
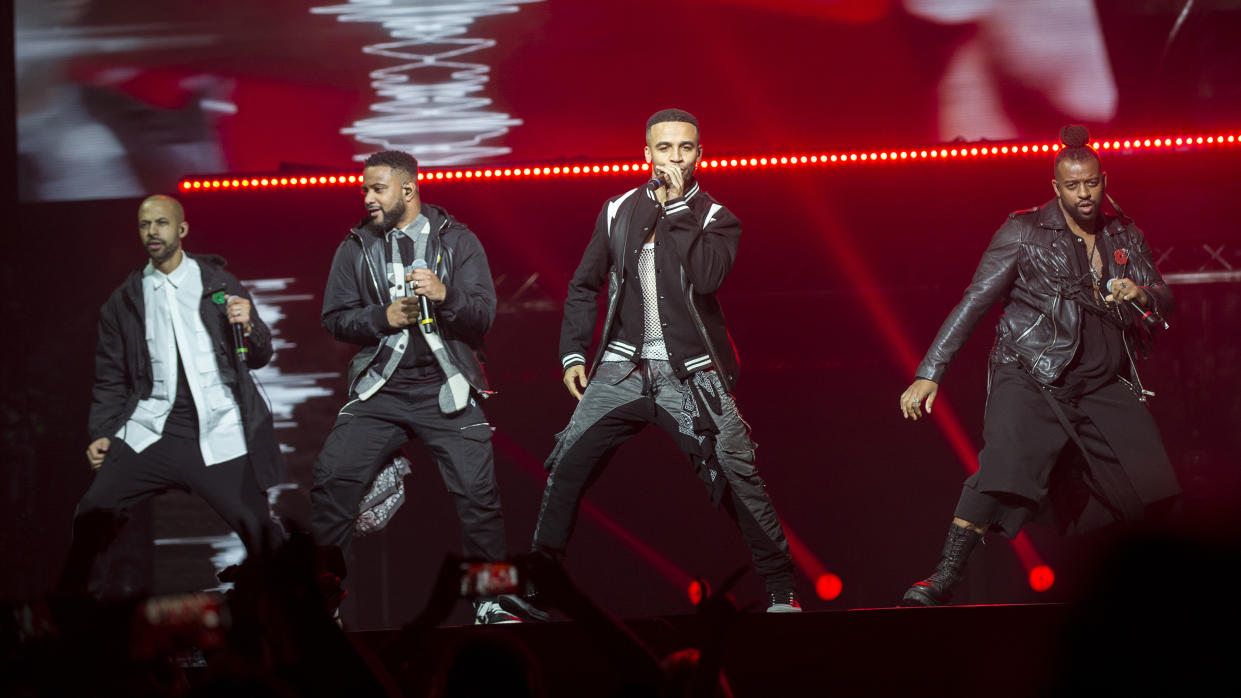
[940, 152]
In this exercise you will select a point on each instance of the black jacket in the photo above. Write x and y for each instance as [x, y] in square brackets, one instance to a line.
[123, 373]
[696, 244]
[355, 303]
[1027, 267]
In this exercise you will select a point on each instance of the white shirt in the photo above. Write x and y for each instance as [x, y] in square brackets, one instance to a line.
[175, 332]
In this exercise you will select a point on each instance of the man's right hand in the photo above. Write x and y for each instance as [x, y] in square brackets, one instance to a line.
[96, 451]
[403, 313]
[911, 399]
[573, 377]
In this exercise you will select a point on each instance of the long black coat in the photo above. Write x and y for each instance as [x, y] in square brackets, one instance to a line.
[123, 373]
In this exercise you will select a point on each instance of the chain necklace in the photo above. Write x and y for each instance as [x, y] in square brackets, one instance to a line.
[1094, 273]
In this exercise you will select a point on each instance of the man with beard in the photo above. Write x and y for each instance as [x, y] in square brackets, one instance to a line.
[172, 408]
[1081, 297]
[411, 286]
[665, 356]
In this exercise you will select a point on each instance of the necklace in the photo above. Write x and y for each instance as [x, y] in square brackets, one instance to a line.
[1094, 273]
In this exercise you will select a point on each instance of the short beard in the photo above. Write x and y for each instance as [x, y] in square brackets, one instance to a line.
[167, 253]
[391, 216]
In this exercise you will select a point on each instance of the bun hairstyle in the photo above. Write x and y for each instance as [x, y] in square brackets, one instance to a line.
[1075, 137]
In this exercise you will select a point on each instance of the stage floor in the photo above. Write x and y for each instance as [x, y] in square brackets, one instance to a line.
[999, 650]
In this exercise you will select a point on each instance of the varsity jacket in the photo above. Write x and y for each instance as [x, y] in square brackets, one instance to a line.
[696, 242]
[1027, 268]
[356, 300]
[123, 373]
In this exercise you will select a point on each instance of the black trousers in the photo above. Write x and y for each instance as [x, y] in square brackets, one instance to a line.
[127, 478]
[1117, 469]
[368, 431]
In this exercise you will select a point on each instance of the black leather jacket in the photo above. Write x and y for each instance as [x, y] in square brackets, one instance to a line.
[356, 299]
[1027, 268]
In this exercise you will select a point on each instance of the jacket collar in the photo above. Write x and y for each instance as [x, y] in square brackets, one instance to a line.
[178, 276]
[438, 217]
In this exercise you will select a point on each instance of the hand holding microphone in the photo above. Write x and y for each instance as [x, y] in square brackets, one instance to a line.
[428, 287]
[1126, 291]
[668, 177]
[237, 310]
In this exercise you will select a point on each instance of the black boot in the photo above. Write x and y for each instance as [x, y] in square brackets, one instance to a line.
[937, 589]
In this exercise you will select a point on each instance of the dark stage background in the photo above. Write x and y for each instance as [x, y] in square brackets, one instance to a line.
[843, 274]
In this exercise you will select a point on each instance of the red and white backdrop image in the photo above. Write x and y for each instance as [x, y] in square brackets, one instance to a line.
[133, 96]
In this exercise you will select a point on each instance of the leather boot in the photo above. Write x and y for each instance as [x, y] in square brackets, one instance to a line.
[936, 589]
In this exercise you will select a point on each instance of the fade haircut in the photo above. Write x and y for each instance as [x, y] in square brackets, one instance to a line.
[666, 115]
[1075, 139]
[396, 160]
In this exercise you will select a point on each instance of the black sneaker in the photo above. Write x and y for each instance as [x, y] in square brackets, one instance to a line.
[522, 608]
[784, 601]
[490, 613]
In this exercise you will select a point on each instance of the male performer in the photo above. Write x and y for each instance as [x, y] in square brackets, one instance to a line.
[417, 374]
[665, 356]
[174, 406]
[1081, 295]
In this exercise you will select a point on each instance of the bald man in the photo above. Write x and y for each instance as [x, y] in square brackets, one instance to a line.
[174, 405]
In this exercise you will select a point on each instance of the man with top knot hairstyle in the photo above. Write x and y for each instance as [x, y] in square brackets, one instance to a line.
[1081, 298]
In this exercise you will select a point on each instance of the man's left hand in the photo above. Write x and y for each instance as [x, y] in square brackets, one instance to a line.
[238, 309]
[426, 283]
[1126, 290]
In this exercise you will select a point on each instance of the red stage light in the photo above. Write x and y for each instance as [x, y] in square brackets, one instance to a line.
[1042, 577]
[828, 586]
[698, 590]
[764, 161]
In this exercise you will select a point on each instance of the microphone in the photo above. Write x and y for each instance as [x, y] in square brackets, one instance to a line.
[239, 335]
[424, 305]
[239, 341]
[1149, 316]
[654, 183]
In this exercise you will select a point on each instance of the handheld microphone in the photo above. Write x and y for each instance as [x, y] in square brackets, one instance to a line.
[654, 183]
[1150, 317]
[424, 305]
[239, 336]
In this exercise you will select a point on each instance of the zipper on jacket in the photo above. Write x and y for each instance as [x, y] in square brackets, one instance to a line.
[1136, 384]
[1055, 330]
[1031, 327]
[369, 269]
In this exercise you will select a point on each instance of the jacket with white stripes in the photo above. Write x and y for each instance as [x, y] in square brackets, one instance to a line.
[695, 245]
